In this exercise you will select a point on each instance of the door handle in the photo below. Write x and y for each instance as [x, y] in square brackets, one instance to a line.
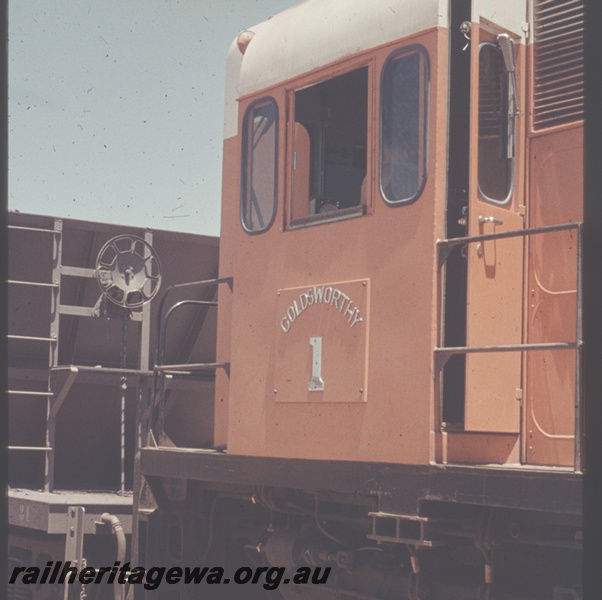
[494, 220]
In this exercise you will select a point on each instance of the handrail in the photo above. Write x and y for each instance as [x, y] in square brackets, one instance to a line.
[449, 244]
[446, 352]
[160, 354]
[442, 354]
[171, 288]
[184, 368]
[162, 322]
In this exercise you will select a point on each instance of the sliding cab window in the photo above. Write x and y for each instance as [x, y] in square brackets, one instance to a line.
[496, 126]
[259, 171]
[329, 149]
[403, 139]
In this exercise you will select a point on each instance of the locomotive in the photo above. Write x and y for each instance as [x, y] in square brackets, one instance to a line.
[396, 389]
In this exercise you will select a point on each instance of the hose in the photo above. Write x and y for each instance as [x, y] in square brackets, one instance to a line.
[121, 547]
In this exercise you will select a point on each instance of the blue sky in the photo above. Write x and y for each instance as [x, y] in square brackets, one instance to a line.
[116, 107]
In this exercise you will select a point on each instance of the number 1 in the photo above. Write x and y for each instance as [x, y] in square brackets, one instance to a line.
[316, 384]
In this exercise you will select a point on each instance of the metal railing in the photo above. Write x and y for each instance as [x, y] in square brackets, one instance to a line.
[53, 399]
[187, 369]
[443, 354]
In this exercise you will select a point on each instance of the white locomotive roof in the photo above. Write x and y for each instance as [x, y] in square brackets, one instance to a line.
[315, 33]
[318, 32]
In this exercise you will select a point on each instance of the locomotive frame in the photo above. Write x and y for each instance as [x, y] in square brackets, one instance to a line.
[295, 464]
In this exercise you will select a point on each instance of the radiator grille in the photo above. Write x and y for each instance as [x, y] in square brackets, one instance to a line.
[558, 80]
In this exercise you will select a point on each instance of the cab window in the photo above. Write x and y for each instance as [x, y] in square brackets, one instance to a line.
[495, 127]
[329, 148]
[404, 99]
[259, 166]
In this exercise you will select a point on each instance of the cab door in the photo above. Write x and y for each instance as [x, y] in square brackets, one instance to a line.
[496, 204]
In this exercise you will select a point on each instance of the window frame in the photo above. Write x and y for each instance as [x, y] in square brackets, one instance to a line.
[246, 162]
[511, 182]
[319, 78]
[424, 140]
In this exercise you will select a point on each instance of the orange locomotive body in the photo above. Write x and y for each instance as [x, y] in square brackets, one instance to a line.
[398, 341]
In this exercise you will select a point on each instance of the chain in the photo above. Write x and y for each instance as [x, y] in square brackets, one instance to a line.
[82, 594]
[124, 318]
[124, 386]
[108, 310]
[161, 406]
[123, 391]
[104, 311]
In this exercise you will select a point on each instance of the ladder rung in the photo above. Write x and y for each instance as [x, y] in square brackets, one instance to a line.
[33, 229]
[30, 338]
[33, 283]
[193, 367]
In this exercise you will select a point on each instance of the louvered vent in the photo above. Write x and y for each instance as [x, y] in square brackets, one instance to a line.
[558, 62]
